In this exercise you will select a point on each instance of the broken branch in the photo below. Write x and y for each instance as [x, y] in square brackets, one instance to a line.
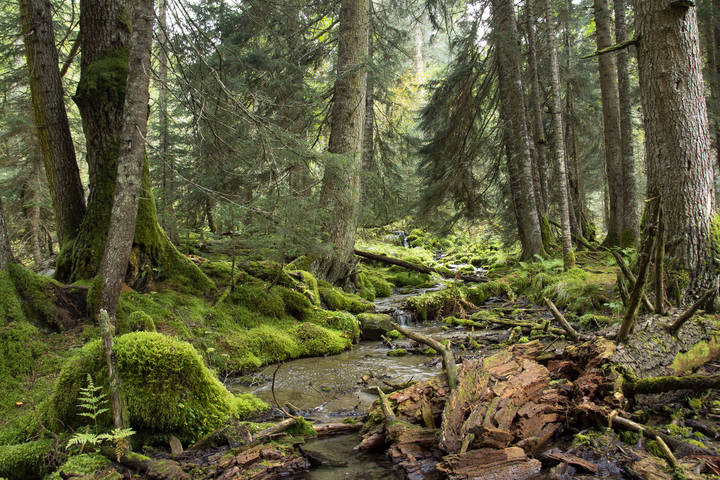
[447, 355]
[688, 314]
[561, 319]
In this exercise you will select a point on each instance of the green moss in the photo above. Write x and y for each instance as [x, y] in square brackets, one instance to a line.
[383, 288]
[10, 306]
[431, 352]
[26, 460]
[302, 427]
[336, 299]
[398, 352]
[394, 334]
[246, 405]
[699, 354]
[37, 294]
[104, 80]
[309, 286]
[83, 464]
[479, 293]
[257, 298]
[296, 304]
[365, 289]
[430, 305]
[317, 341]
[166, 385]
[344, 321]
[137, 321]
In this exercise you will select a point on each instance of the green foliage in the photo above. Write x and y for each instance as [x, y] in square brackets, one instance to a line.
[166, 385]
[336, 299]
[26, 460]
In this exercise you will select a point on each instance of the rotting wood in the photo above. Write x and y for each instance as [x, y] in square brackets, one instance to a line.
[415, 267]
[636, 427]
[268, 433]
[328, 429]
[388, 414]
[688, 314]
[561, 319]
[447, 356]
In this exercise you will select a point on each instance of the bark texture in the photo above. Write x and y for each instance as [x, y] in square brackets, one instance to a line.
[513, 118]
[6, 255]
[631, 227]
[341, 180]
[128, 184]
[677, 142]
[611, 123]
[53, 128]
[560, 155]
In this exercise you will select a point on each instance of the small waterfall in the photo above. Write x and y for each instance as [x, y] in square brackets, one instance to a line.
[403, 237]
[402, 317]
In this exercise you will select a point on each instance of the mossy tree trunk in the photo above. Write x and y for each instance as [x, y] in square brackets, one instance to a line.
[341, 181]
[53, 128]
[6, 255]
[104, 36]
[677, 138]
[514, 124]
[128, 184]
[560, 155]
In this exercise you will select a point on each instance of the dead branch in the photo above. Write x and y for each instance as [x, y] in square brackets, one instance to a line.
[688, 314]
[630, 277]
[447, 355]
[386, 408]
[633, 386]
[647, 431]
[561, 319]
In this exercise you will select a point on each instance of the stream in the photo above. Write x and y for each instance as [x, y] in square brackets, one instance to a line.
[328, 389]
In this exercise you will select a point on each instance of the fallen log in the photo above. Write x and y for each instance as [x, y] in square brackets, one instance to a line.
[327, 429]
[415, 267]
[647, 431]
[268, 433]
[447, 355]
[509, 323]
[643, 386]
[682, 448]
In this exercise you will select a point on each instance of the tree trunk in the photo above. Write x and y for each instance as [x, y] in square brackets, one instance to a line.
[104, 36]
[560, 156]
[341, 181]
[677, 136]
[6, 255]
[53, 128]
[541, 189]
[37, 187]
[631, 228]
[128, 185]
[167, 213]
[368, 142]
[611, 124]
[512, 108]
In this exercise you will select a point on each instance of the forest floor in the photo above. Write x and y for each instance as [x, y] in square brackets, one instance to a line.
[531, 402]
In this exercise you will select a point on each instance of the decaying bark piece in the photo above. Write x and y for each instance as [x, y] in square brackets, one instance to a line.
[490, 464]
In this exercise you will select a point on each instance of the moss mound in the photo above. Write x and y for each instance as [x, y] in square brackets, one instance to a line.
[83, 464]
[167, 387]
[336, 299]
[26, 460]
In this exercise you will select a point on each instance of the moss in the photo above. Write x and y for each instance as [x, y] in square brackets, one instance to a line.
[271, 272]
[26, 460]
[37, 294]
[83, 464]
[431, 352]
[429, 306]
[257, 298]
[302, 427]
[699, 354]
[383, 288]
[317, 341]
[104, 80]
[344, 321]
[365, 289]
[394, 334]
[166, 385]
[398, 352]
[246, 405]
[309, 286]
[10, 306]
[296, 304]
[336, 299]
[481, 292]
[137, 321]
[627, 239]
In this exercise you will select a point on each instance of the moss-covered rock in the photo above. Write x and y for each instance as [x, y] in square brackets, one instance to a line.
[316, 341]
[398, 352]
[26, 461]
[85, 464]
[137, 321]
[374, 325]
[336, 299]
[166, 385]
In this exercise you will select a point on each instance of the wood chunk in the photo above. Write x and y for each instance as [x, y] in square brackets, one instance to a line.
[573, 460]
[490, 437]
[490, 464]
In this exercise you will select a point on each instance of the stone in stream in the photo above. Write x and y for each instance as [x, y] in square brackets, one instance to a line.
[374, 325]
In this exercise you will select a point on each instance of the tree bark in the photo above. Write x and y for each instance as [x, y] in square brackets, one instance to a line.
[341, 181]
[513, 119]
[6, 255]
[560, 155]
[611, 124]
[128, 185]
[631, 227]
[53, 128]
[677, 136]
[36, 201]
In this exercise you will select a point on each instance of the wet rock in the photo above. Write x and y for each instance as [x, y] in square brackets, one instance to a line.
[374, 325]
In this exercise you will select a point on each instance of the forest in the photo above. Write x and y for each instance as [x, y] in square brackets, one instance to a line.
[359, 239]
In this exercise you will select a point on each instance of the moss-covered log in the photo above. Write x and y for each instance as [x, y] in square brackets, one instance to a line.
[415, 267]
[642, 386]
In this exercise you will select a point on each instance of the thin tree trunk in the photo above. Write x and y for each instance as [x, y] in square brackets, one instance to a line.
[341, 181]
[631, 228]
[611, 124]
[677, 136]
[6, 255]
[35, 209]
[560, 156]
[53, 128]
[538, 125]
[128, 185]
[513, 117]
[368, 149]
